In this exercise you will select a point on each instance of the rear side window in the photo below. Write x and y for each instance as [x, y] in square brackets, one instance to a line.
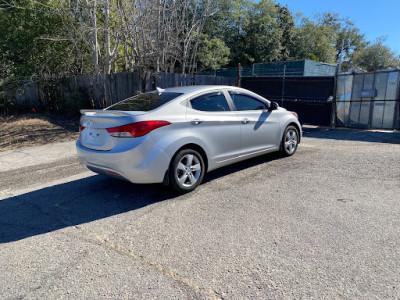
[144, 102]
[210, 102]
[246, 102]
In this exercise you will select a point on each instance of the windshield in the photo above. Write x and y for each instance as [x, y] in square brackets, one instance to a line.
[144, 102]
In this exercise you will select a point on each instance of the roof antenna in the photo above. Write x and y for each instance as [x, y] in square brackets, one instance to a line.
[160, 90]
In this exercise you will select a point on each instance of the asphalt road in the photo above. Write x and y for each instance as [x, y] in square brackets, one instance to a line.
[324, 223]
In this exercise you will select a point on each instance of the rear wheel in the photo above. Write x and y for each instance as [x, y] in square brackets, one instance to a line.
[186, 171]
[290, 141]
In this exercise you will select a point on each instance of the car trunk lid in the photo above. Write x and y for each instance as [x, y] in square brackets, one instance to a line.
[94, 123]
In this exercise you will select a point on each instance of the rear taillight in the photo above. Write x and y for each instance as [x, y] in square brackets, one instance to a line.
[81, 128]
[136, 129]
[112, 173]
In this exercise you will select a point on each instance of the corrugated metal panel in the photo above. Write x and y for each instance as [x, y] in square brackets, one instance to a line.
[368, 100]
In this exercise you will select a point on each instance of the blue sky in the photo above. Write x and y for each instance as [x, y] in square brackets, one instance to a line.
[373, 18]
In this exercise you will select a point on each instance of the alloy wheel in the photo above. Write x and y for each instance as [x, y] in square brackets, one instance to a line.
[188, 170]
[291, 141]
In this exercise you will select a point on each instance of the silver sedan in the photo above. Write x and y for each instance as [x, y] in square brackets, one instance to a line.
[175, 135]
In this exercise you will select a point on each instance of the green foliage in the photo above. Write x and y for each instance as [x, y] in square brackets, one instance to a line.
[29, 43]
[313, 41]
[254, 31]
[227, 24]
[265, 31]
[287, 26]
[343, 31]
[213, 53]
[6, 103]
[41, 38]
[376, 57]
[263, 35]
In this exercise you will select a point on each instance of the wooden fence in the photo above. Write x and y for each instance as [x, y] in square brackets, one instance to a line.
[89, 91]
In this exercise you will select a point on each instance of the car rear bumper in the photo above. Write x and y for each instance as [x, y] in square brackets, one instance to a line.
[143, 163]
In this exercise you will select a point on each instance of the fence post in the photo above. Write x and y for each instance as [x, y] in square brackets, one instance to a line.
[239, 75]
[283, 84]
[334, 100]
[398, 109]
[398, 104]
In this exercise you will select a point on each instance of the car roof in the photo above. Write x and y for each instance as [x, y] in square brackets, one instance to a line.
[191, 90]
[197, 88]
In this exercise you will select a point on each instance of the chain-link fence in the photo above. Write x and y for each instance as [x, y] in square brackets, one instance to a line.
[368, 100]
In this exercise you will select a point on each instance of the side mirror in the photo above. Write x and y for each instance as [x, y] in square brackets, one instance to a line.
[273, 106]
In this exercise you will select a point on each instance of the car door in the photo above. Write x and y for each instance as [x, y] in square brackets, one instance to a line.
[213, 121]
[259, 127]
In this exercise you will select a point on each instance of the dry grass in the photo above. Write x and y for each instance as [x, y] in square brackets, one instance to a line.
[35, 129]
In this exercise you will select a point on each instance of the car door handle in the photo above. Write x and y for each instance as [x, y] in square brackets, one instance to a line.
[197, 122]
[245, 121]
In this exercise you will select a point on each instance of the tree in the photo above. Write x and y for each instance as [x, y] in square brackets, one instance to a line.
[213, 53]
[57, 37]
[28, 45]
[343, 32]
[266, 35]
[376, 57]
[227, 24]
[253, 31]
[314, 41]
[287, 26]
[263, 35]
[321, 39]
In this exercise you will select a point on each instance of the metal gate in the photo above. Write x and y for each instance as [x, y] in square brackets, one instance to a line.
[368, 100]
[307, 96]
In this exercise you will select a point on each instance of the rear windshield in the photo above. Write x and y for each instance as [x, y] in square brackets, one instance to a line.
[144, 102]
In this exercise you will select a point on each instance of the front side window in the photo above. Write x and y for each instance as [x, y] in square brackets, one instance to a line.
[210, 102]
[144, 102]
[246, 102]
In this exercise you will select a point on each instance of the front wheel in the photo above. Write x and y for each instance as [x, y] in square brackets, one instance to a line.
[186, 171]
[290, 141]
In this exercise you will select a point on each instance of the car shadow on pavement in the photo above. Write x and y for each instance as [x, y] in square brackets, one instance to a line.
[387, 137]
[73, 203]
[88, 199]
[237, 167]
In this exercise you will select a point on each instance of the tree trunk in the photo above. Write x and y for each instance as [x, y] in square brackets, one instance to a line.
[95, 44]
[107, 21]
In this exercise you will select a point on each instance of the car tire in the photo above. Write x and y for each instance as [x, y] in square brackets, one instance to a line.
[290, 141]
[186, 171]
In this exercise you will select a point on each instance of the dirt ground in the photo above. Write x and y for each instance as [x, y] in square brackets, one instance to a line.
[36, 129]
